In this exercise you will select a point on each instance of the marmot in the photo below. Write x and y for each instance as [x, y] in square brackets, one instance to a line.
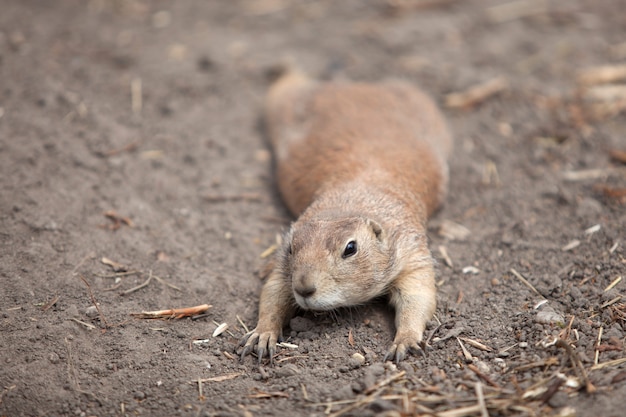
[363, 166]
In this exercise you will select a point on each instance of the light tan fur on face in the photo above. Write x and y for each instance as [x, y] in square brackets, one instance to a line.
[356, 162]
[316, 260]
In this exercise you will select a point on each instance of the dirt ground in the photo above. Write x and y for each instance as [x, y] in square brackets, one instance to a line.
[149, 111]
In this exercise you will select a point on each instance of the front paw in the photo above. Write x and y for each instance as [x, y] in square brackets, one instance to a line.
[403, 344]
[264, 340]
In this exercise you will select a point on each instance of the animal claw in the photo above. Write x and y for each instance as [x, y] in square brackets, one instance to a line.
[398, 351]
[263, 341]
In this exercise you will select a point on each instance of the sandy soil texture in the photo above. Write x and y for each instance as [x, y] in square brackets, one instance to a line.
[130, 130]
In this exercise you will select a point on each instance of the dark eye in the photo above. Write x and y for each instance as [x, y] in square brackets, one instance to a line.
[289, 250]
[349, 250]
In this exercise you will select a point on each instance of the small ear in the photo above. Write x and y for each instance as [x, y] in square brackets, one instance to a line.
[376, 228]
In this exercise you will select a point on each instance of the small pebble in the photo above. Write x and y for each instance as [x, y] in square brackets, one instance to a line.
[482, 367]
[500, 363]
[547, 315]
[91, 312]
[356, 361]
[287, 370]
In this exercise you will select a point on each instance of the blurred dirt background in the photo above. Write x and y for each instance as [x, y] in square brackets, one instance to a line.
[129, 130]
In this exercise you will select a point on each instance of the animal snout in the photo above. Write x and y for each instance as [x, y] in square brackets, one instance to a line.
[305, 290]
[304, 286]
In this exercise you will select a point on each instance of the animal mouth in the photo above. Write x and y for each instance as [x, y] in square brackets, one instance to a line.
[302, 302]
[314, 304]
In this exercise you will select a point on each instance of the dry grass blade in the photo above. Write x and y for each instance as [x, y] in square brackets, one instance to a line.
[220, 329]
[490, 174]
[385, 382]
[138, 287]
[611, 302]
[136, 96]
[608, 364]
[444, 254]
[466, 354]
[127, 148]
[164, 282]
[87, 325]
[577, 363]
[400, 6]
[598, 341]
[219, 198]
[220, 378]
[117, 274]
[174, 313]
[269, 251]
[245, 328]
[540, 364]
[602, 75]
[525, 282]
[552, 389]
[461, 412]
[483, 376]
[609, 92]
[571, 245]
[516, 10]
[481, 399]
[291, 358]
[586, 174]
[476, 94]
[287, 345]
[476, 344]
[94, 302]
[593, 229]
[613, 284]
[270, 394]
[453, 231]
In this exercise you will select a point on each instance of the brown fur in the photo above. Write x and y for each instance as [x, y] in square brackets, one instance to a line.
[362, 163]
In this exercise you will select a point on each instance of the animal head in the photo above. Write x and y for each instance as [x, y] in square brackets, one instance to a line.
[337, 262]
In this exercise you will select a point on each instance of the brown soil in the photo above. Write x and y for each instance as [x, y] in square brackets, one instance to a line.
[189, 166]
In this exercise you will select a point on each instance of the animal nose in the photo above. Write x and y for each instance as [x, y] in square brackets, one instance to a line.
[306, 290]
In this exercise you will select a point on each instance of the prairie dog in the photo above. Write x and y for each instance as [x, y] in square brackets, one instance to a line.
[362, 166]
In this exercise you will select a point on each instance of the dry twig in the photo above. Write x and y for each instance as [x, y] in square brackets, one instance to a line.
[117, 220]
[116, 266]
[174, 313]
[94, 302]
[476, 94]
[50, 303]
[271, 394]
